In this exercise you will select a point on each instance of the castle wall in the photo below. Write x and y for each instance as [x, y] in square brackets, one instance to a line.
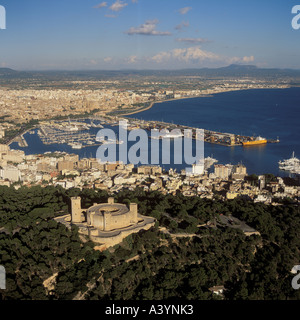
[98, 221]
[133, 213]
[112, 241]
[112, 222]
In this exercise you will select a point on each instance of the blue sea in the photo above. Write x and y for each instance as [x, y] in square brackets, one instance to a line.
[270, 113]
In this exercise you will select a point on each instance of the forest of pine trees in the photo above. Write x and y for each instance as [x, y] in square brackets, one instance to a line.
[150, 265]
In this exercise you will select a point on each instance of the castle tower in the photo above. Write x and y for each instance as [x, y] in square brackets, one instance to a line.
[133, 213]
[76, 211]
[111, 200]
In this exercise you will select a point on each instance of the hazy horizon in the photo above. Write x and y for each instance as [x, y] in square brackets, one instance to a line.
[141, 70]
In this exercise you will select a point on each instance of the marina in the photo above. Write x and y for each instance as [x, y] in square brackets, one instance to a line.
[75, 134]
[78, 134]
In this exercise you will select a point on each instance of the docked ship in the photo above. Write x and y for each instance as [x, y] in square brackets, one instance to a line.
[109, 141]
[257, 141]
[76, 146]
[166, 134]
[292, 165]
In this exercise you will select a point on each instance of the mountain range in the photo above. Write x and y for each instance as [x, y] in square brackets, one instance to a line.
[233, 70]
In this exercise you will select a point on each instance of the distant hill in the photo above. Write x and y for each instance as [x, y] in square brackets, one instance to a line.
[236, 70]
[7, 71]
[240, 67]
[233, 70]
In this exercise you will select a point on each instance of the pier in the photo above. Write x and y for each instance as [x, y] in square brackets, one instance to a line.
[21, 141]
[214, 137]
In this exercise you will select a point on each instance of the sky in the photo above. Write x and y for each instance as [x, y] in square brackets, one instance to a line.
[148, 34]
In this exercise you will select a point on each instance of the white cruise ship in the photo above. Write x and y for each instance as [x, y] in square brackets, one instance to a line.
[76, 146]
[166, 134]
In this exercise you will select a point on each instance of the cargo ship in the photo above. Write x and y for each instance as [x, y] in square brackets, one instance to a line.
[255, 142]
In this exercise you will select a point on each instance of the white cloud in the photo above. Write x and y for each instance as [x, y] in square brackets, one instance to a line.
[248, 59]
[148, 28]
[184, 10]
[192, 40]
[93, 62]
[107, 59]
[118, 6]
[192, 57]
[187, 55]
[182, 25]
[161, 57]
[132, 59]
[101, 5]
[241, 60]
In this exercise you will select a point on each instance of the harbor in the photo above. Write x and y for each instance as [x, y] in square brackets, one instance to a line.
[173, 131]
[78, 134]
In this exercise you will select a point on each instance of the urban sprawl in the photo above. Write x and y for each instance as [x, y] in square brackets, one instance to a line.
[115, 99]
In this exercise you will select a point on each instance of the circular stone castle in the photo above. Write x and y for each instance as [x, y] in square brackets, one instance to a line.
[109, 217]
[107, 223]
